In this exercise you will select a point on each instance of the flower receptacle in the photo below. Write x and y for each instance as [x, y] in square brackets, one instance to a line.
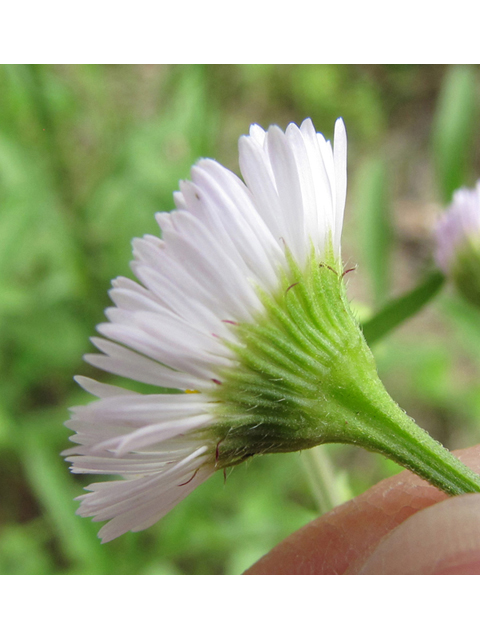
[306, 376]
[465, 271]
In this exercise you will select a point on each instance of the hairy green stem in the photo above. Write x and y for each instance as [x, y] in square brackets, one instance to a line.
[378, 424]
[305, 376]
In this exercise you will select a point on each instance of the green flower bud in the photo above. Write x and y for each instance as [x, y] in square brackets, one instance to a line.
[458, 243]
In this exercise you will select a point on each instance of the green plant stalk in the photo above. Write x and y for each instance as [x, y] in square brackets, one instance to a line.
[305, 376]
[318, 466]
[378, 424]
[321, 474]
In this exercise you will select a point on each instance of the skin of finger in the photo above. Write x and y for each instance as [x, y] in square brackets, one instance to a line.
[441, 539]
[341, 541]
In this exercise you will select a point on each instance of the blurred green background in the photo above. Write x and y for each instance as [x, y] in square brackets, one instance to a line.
[87, 155]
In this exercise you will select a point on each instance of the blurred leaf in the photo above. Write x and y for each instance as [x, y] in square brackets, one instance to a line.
[155, 155]
[5, 426]
[397, 311]
[373, 218]
[454, 128]
[55, 490]
[325, 92]
[23, 550]
[465, 319]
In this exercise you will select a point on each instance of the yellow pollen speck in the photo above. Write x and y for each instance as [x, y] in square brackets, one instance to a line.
[191, 391]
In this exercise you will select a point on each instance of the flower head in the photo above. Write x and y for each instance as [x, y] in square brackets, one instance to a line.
[240, 310]
[225, 253]
[458, 242]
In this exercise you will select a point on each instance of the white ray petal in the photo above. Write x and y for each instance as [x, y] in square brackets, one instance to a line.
[149, 513]
[173, 353]
[307, 187]
[252, 243]
[138, 409]
[258, 175]
[203, 256]
[125, 362]
[340, 160]
[257, 133]
[155, 434]
[186, 280]
[100, 389]
[290, 196]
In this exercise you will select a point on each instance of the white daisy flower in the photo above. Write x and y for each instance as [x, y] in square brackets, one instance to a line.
[241, 306]
[223, 249]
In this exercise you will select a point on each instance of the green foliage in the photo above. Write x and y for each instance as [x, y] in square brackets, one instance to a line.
[88, 153]
[374, 223]
[397, 311]
[455, 128]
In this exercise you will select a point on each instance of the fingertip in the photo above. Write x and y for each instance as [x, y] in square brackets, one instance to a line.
[441, 539]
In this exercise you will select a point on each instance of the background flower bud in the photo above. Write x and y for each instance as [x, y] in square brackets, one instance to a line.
[458, 243]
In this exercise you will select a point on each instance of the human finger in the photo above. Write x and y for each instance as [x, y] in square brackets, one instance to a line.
[342, 540]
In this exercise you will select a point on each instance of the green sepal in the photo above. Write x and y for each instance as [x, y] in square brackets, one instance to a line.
[304, 375]
[465, 271]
